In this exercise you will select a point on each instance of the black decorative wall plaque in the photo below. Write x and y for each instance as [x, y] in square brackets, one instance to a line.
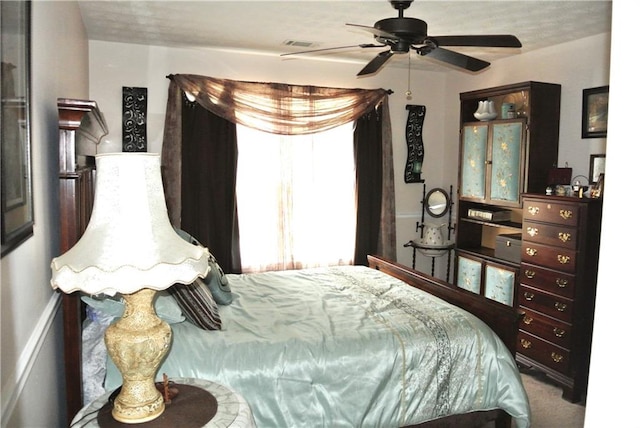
[415, 147]
[134, 119]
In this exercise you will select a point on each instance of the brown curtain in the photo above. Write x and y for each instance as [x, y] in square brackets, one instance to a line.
[288, 110]
[367, 149]
[375, 226]
[279, 108]
[209, 164]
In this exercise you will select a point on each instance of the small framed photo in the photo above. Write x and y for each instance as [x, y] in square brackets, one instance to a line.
[595, 108]
[598, 190]
[596, 167]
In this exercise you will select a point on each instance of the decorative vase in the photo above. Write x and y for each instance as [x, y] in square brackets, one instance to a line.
[486, 111]
[433, 235]
[491, 110]
[433, 242]
[137, 344]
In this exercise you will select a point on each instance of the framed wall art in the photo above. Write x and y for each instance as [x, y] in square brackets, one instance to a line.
[17, 198]
[595, 107]
[596, 167]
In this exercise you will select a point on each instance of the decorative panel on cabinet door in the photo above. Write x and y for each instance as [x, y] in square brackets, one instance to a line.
[473, 161]
[469, 273]
[500, 283]
[490, 279]
[506, 162]
[491, 162]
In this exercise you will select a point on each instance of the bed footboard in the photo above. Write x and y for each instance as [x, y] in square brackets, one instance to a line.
[502, 319]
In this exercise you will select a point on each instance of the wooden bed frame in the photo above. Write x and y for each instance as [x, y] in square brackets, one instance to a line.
[81, 127]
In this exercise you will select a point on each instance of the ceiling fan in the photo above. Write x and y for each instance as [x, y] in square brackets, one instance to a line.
[403, 34]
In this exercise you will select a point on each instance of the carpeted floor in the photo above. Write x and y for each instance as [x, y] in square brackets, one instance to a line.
[548, 408]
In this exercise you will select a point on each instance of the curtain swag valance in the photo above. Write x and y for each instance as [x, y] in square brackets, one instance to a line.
[279, 108]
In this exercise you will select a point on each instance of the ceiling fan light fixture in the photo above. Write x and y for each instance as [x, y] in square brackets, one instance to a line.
[401, 34]
[400, 47]
[410, 30]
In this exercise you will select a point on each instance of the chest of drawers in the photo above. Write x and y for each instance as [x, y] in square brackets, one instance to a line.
[560, 245]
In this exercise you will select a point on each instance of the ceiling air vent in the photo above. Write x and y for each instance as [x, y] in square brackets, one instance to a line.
[298, 43]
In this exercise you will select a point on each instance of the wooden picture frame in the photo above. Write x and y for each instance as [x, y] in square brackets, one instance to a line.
[595, 108]
[596, 167]
[15, 124]
[598, 190]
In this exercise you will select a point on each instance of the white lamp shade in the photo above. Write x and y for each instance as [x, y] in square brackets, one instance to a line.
[129, 243]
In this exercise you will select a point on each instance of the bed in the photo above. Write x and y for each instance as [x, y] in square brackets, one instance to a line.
[382, 345]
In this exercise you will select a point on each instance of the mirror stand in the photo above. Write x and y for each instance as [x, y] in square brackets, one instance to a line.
[437, 203]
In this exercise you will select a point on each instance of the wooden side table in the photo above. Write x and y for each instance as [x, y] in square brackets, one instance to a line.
[227, 409]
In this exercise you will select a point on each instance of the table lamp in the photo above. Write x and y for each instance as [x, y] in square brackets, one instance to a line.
[130, 247]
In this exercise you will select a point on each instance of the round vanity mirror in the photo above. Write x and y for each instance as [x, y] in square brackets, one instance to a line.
[436, 202]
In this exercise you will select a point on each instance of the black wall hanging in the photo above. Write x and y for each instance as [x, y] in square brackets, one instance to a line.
[415, 147]
[134, 119]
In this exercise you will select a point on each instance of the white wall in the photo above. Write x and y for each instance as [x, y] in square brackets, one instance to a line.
[575, 65]
[31, 359]
[612, 396]
[114, 65]
[30, 325]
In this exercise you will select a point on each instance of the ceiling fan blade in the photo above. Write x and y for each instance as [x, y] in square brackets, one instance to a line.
[375, 31]
[457, 59]
[366, 45]
[376, 63]
[492, 41]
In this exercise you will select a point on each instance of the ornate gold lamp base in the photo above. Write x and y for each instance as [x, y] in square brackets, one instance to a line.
[137, 343]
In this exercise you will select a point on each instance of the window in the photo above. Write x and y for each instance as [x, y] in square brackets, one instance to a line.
[296, 199]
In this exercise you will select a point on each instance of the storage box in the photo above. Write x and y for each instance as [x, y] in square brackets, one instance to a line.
[508, 247]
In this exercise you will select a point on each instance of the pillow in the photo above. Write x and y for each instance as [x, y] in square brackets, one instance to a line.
[197, 304]
[215, 280]
[166, 307]
[218, 283]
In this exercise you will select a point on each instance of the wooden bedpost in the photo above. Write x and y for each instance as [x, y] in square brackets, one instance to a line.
[81, 127]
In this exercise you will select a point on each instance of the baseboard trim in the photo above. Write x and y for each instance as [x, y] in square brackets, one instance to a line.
[15, 383]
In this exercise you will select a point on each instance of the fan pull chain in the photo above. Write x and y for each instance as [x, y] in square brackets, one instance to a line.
[408, 93]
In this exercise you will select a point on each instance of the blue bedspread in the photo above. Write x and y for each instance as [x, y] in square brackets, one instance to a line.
[347, 347]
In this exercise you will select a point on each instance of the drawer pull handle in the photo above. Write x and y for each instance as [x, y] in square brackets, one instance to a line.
[563, 260]
[525, 343]
[557, 358]
[531, 251]
[532, 231]
[529, 273]
[508, 243]
[529, 296]
[566, 214]
[533, 210]
[564, 236]
[560, 307]
[561, 282]
[559, 332]
[527, 320]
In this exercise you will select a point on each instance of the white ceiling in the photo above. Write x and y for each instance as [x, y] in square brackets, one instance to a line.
[264, 26]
